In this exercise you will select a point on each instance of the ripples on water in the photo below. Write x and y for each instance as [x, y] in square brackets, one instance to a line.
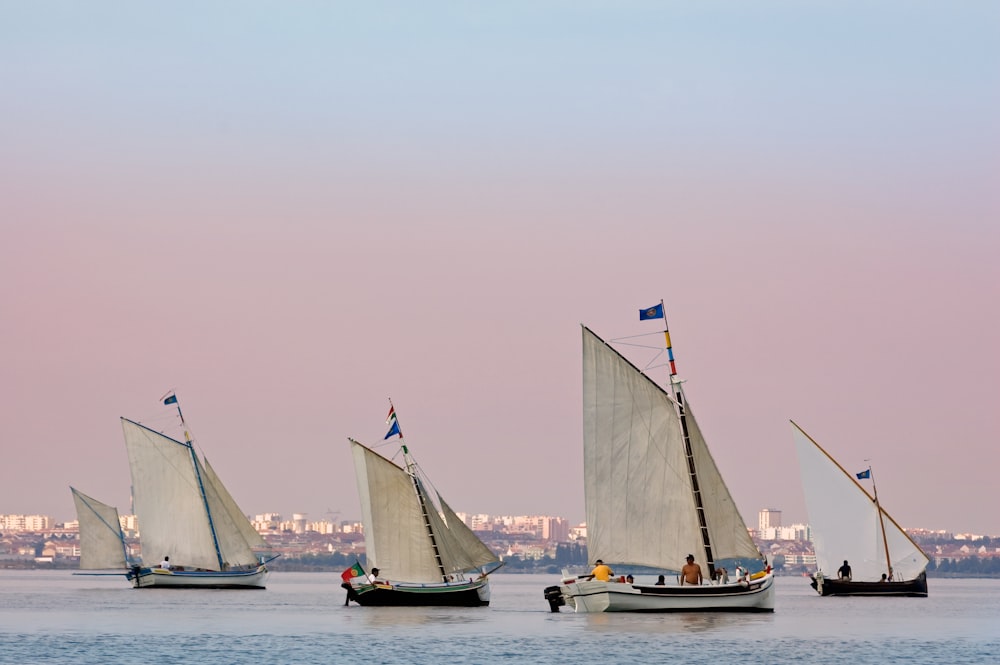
[55, 617]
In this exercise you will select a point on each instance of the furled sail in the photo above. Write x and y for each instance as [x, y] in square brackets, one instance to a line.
[102, 544]
[396, 539]
[173, 520]
[639, 497]
[845, 524]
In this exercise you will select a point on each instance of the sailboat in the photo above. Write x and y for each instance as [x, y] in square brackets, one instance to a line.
[418, 550]
[102, 543]
[188, 516]
[654, 495]
[849, 524]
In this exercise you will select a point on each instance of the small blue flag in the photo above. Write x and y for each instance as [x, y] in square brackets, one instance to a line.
[171, 400]
[651, 313]
[867, 473]
[393, 431]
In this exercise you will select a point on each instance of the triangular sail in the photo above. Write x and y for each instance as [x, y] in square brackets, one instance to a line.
[640, 503]
[237, 537]
[475, 553]
[845, 524]
[460, 548]
[168, 500]
[396, 538]
[728, 532]
[102, 544]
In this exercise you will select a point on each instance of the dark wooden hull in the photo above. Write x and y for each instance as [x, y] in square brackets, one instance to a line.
[468, 595]
[915, 588]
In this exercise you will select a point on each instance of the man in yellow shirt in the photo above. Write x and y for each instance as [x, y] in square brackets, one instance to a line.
[601, 572]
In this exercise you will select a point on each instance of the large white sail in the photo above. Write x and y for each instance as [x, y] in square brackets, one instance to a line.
[237, 537]
[396, 538]
[173, 520]
[845, 523]
[101, 541]
[639, 496]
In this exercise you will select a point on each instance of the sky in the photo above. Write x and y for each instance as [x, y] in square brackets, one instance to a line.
[289, 213]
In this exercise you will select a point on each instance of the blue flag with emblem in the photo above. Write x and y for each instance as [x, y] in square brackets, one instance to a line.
[651, 313]
[867, 473]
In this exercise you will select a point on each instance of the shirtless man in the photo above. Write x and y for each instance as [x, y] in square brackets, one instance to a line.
[691, 572]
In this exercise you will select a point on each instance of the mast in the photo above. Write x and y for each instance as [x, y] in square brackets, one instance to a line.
[411, 470]
[678, 393]
[881, 523]
[201, 485]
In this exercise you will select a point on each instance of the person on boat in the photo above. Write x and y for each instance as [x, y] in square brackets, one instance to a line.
[629, 579]
[884, 579]
[691, 572]
[373, 575]
[601, 572]
[722, 576]
[165, 564]
[660, 581]
[844, 572]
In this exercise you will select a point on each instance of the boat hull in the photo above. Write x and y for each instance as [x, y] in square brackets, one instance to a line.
[915, 588]
[470, 594]
[595, 596]
[148, 578]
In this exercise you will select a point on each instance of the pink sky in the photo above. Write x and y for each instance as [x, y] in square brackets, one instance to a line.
[290, 218]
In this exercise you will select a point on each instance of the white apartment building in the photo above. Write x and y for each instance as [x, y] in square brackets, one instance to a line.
[768, 518]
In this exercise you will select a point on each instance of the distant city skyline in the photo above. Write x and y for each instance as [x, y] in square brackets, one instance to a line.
[763, 515]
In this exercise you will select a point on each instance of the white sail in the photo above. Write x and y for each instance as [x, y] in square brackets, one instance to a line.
[396, 538]
[639, 497]
[168, 500]
[237, 537]
[101, 540]
[728, 532]
[474, 552]
[845, 523]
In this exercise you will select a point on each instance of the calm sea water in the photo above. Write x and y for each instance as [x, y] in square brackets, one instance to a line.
[56, 617]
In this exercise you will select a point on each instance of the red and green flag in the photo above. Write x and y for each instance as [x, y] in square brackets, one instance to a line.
[354, 571]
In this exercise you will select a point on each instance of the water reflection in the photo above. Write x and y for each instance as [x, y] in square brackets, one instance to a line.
[384, 618]
[677, 622]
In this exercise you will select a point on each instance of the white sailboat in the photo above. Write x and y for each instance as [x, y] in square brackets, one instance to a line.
[102, 544]
[849, 524]
[424, 554]
[654, 495]
[187, 514]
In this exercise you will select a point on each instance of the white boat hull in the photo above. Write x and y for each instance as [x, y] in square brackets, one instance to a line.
[595, 596]
[145, 578]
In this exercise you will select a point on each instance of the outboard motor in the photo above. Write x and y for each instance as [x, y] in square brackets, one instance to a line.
[553, 594]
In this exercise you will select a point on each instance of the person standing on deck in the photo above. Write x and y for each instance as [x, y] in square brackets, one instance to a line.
[691, 572]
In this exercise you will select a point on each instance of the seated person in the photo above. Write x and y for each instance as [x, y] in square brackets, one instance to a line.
[601, 572]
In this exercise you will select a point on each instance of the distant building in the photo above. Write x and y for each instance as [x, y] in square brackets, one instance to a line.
[768, 518]
[31, 523]
[793, 532]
